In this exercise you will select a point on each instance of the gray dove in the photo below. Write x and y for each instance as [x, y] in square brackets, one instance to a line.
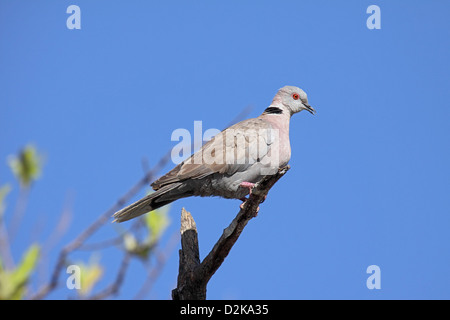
[230, 164]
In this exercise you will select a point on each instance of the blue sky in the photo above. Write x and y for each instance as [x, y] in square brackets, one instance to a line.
[370, 174]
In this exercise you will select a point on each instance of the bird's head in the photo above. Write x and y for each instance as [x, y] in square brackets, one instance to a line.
[293, 99]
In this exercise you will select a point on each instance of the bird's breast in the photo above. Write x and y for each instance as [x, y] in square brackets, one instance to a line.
[281, 145]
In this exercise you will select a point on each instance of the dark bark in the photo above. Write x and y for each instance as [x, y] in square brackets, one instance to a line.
[188, 286]
[194, 276]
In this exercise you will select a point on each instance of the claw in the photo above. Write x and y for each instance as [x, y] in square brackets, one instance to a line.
[250, 186]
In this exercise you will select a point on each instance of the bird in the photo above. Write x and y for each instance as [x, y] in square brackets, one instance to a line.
[232, 162]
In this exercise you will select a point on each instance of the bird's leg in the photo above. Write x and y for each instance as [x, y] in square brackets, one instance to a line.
[248, 185]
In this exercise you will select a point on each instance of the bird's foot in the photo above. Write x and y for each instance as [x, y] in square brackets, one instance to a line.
[244, 199]
[248, 185]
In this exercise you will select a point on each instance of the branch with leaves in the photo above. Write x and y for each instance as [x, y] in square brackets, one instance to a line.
[15, 278]
[155, 223]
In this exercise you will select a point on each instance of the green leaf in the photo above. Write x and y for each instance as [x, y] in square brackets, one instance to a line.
[157, 221]
[130, 242]
[90, 274]
[26, 166]
[27, 265]
[133, 246]
[13, 283]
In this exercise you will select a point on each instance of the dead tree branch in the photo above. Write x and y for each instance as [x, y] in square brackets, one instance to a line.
[194, 276]
[113, 289]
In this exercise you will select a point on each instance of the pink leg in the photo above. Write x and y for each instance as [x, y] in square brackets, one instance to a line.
[248, 185]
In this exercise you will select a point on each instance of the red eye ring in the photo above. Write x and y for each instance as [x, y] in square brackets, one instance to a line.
[295, 96]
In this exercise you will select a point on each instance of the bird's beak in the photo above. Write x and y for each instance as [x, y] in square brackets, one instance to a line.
[309, 108]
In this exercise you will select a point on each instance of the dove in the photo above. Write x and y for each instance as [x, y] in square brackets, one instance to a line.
[232, 162]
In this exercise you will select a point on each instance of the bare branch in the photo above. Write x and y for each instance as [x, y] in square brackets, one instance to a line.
[188, 288]
[79, 241]
[194, 276]
[113, 289]
[90, 230]
[153, 273]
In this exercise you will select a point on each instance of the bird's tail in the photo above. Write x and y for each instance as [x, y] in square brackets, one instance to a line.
[148, 203]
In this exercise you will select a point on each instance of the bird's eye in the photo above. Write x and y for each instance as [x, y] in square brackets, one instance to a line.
[295, 96]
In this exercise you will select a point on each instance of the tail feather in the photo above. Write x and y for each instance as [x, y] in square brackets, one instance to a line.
[151, 202]
[134, 210]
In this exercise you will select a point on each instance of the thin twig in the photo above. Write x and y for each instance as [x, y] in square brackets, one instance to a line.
[153, 273]
[103, 218]
[5, 249]
[113, 289]
[19, 211]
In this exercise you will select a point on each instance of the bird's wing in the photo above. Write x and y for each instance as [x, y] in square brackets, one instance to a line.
[233, 150]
